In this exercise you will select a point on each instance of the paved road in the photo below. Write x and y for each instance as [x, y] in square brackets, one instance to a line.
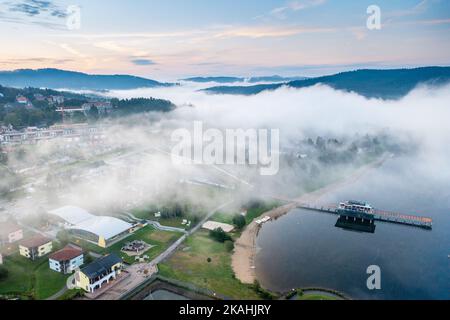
[155, 224]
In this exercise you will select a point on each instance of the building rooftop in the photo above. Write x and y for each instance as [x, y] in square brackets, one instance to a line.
[213, 225]
[102, 226]
[8, 227]
[66, 254]
[101, 265]
[71, 214]
[35, 241]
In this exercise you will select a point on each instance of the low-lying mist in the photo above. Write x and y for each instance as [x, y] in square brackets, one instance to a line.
[140, 171]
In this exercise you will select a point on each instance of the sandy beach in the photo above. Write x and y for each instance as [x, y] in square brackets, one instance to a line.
[245, 247]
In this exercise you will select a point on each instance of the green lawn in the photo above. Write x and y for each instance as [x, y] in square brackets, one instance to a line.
[315, 297]
[146, 214]
[161, 240]
[47, 281]
[224, 217]
[31, 279]
[227, 217]
[190, 265]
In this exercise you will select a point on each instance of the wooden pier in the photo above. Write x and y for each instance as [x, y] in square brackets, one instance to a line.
[379, 215]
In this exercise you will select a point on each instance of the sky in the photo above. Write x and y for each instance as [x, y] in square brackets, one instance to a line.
[172, 39]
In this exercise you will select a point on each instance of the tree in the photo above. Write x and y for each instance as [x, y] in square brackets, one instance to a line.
[264, 294]
[229, 245]
[239, 221]
[3, 273]
[78, 117]
[3, 156]
[12, 119]
[219, 235]
[93, 114]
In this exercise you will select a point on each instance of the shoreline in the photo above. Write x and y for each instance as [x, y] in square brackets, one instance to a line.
[243, 258]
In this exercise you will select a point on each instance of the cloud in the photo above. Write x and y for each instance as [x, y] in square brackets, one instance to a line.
[37, 7]
[72, 50]
[41, 60]
[269, 31]
[292, 6]
[143, 62]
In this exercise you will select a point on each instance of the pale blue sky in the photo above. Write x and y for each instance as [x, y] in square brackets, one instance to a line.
[176, 38]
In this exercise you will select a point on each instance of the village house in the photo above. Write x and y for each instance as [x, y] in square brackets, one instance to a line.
[35, 247]
[99, 273]
[102, 107]
[55, 99]
[21, 99]
[10, 233]
[66, 260]
[70, 110]
[39, 97]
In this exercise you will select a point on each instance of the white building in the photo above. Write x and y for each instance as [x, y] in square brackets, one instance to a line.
[66, 260]
[101, 230]
[99, 273]
[213, 225]
[10, 233]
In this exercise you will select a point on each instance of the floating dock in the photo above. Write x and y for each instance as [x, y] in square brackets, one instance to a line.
[379, 215]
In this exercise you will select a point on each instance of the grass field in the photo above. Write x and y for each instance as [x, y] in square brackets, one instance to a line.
[227, 217]
[315, 297]
[147, 214]
[190, 265]
[31, 279]
[159, 239]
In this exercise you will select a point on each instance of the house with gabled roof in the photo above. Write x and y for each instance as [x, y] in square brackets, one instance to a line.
[10, 233]
[99, 273]
[35, 247]
[66, 260]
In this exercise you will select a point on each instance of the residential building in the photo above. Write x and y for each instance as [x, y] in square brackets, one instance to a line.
[56, 99]
[10, 233]
[102, 107]
[21, 99]
[39, 97]
[66, 260]
[99, 273]
[35, 247]
[70, 110]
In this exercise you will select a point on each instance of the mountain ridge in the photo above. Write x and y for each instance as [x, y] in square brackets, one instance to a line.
[53, 78]
[370, 83]
[228, 79]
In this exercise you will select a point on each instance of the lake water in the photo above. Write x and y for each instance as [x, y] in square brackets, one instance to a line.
[305, 249]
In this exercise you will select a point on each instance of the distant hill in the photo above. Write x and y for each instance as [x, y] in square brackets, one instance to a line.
[273, 79]
[385, 84]
[57, 79]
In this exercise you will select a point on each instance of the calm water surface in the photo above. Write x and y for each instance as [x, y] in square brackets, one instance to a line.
[305, 249]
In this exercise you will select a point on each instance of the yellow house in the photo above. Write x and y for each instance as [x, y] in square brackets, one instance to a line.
[35, 247]
[99, 273]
